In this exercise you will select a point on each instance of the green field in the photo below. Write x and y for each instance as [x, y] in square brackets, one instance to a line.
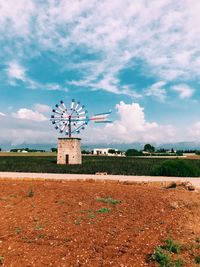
[29, 154]
[92, 164]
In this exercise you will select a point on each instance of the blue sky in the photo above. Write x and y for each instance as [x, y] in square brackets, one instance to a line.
[139, 58]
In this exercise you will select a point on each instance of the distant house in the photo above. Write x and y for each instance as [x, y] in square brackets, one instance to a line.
[100, 151]
[146, 152]
[106, 152]
[23, 151]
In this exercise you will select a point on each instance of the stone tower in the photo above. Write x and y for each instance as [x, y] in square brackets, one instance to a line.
[69, 151]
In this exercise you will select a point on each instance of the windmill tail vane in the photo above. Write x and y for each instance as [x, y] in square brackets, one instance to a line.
[72, 120]
[101, 117]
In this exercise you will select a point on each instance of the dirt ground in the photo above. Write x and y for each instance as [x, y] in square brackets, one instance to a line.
[69, 224]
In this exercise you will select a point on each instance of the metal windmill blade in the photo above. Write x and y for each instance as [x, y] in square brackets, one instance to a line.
[74, 119]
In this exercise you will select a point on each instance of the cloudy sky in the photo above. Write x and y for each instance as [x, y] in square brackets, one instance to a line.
[139, 58]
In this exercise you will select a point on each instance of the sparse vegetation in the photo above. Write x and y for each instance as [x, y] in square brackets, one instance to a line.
[1, 260]
[103, 210]
[178, 263]
[18, 230]
[38, 227]
[60, 201]
[30, 193]
[171, 246]
[172, 185]
[197, 259]
[163, 257]
[41, 236]
[109, 200]
[92, 211]
[198, 240]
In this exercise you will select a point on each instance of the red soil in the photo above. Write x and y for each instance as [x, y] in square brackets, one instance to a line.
[63, 224]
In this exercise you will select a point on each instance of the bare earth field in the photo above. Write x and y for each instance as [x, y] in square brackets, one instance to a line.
[74, 223]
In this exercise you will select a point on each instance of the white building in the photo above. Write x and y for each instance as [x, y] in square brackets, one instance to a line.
[106, 152]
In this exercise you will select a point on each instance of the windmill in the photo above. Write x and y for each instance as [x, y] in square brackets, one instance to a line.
[72, 120]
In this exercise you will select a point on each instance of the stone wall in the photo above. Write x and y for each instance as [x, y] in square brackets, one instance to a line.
[69, 151]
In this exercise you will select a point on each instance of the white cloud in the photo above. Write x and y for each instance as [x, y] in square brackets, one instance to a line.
[15, 19]
[31, 136]
[16, 131]
[157, 91]
[131, 127]
[42, 108]
[28, 114]
[153, 31]
[194, 131]
[16, 71]
[2, 114]
[27, 126]
[108, 83]
[164, 34]
[184, 90]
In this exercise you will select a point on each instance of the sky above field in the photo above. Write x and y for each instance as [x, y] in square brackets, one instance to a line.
[139, 58]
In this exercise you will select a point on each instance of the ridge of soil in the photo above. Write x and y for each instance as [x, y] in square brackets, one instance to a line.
[65, 224]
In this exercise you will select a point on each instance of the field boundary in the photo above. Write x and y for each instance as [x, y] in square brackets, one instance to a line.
[87, 177]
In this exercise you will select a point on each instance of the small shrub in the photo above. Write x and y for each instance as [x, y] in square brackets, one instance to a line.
[161, 257]
[178, 263]
[18, 230]
[13, 195]
[172, 185]
[103, 210]
[197, 259]
[109, 200]
[197, 239]
[175, 167]
[91, 216]
[39, 227]
[41, 236]
[1, 260]
[30, 193]
[87, 211]
[61, 201]
[171, 246]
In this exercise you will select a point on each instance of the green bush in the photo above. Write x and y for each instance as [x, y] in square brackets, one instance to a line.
[171, 246]
[197, 259]
[161, 257]
[175, 167]
[179, 153]
[133, 152]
